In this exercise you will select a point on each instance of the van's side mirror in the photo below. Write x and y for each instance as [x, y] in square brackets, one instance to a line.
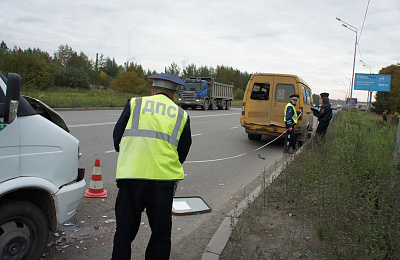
[12, 97]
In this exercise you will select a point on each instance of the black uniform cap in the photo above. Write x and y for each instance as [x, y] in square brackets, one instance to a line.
[324, 94]
[167, 81]
[294, 96]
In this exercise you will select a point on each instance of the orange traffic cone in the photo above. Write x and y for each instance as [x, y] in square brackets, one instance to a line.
[96, 183]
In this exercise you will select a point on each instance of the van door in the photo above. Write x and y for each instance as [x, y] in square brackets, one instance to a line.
[307, 114]
[283, 88]
[258, 104]
[9, 144]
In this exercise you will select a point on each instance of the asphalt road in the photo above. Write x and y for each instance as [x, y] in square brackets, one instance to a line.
[221, 168]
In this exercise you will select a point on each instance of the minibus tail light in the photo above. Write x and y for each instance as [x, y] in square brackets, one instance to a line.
[301, 115]
[244, 108]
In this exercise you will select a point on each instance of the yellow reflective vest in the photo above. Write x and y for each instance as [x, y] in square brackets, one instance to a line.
[294, 117]
[148, 148]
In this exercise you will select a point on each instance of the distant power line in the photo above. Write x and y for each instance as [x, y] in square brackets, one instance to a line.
[365, 16]
[362, 27]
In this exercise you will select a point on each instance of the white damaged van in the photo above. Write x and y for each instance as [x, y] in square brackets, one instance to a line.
[40, 183]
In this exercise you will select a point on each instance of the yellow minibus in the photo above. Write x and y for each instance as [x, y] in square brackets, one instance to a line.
[264, 101]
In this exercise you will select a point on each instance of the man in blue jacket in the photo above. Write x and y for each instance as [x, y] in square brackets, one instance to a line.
[324, 116]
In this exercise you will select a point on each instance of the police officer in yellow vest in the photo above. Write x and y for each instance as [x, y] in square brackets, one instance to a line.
[290, 118]
[153, 138]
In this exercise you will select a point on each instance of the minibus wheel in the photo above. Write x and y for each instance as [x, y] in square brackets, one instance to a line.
[24, 230]
[255, 137]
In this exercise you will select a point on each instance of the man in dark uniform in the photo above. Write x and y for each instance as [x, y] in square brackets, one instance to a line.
[324, 116]
[153, 138]
[290, 118]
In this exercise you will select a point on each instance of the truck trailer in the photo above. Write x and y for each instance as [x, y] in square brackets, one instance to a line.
[204, 92]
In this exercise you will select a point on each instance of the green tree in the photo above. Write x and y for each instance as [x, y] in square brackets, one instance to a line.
[173, 69]
[72, 78]
[391, 100]
[230, 76]
[238, 94]
[130, 82]
[110, 67]
[35, 67]
[190, 71]
[69, 59]
[64, 55]
[204, 71]
[137, 68]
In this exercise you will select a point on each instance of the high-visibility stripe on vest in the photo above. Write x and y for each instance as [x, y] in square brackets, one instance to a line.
[294, 117]
[148, 148]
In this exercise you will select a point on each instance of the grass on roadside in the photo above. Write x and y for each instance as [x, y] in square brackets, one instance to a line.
[349, 185]
[75, 98]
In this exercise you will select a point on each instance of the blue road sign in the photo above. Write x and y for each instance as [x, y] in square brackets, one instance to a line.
[372, 82]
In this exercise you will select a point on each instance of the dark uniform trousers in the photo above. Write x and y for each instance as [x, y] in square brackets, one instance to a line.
[133, 197]
[289, 138]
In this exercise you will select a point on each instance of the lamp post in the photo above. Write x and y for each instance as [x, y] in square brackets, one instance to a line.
[354, 29]
[369, 92]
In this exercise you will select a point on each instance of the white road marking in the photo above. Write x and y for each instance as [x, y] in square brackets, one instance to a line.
[93, 124]
[232, 114]
[113, 123]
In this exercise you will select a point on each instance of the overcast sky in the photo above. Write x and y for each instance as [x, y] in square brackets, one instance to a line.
[299, 37]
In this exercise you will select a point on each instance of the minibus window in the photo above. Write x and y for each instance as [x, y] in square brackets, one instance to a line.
[260, 91]
[283, 92]
[304, 95]
[308, 96]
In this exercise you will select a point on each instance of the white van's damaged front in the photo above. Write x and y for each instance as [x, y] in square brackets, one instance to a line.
[40, 183]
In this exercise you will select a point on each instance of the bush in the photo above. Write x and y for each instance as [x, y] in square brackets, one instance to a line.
[72, 78]
[129, 82]
[238, 94]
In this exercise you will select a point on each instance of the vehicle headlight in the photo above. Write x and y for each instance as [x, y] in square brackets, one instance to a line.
[79, 152]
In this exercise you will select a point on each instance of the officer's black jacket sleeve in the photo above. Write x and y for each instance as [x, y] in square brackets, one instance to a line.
[120, 126]
[185, 141]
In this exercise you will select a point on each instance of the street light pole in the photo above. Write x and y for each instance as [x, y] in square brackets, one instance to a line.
[354, 29]
[369, 101]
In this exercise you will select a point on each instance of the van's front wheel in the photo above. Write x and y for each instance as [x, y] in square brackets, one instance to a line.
[23, 230]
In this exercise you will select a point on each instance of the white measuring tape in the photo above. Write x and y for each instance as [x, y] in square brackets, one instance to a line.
[236, 156]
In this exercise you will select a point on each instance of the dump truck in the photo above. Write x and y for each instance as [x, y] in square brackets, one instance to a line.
[204, 92]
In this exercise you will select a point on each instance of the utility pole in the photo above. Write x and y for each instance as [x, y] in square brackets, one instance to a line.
[353, 29]
[369, 99]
